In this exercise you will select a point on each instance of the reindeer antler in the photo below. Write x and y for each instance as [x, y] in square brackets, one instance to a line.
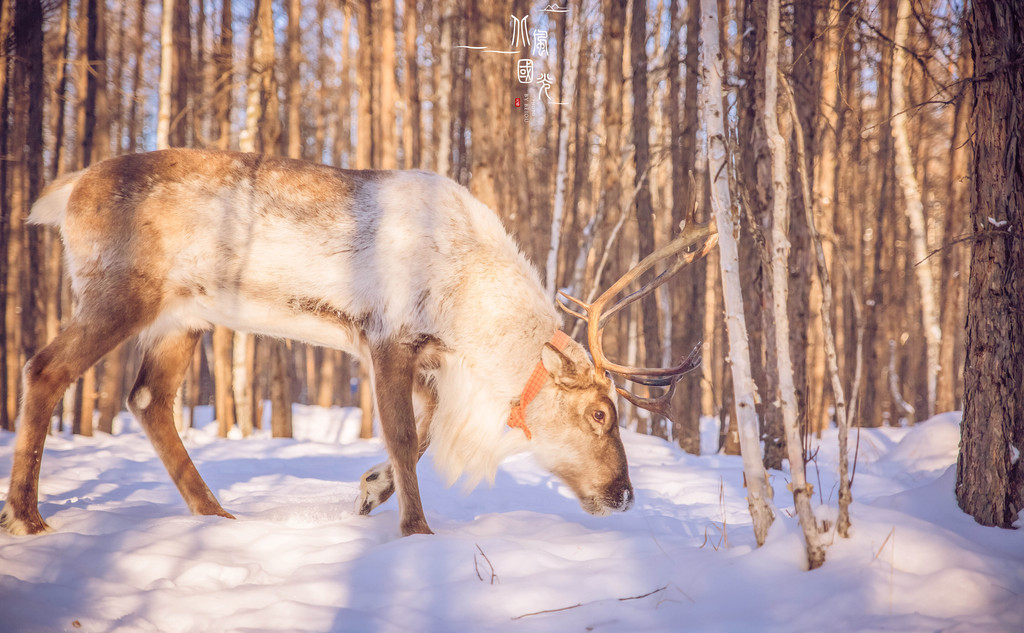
[691, 244]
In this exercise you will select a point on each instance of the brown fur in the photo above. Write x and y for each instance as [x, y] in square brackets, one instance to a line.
[129, 226]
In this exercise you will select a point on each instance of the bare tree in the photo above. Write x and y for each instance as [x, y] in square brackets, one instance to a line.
[913, 206]
[411, 142]
[644, 209]
[758, 491]
[990, 472]
[780, 294]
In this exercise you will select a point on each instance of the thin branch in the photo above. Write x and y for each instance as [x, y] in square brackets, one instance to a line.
[476, 565]
[578, 605]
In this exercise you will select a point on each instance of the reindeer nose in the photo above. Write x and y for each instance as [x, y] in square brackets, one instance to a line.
[622, 498]
[627, 499]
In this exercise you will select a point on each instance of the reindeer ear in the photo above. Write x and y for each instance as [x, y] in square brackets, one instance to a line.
[562, 368]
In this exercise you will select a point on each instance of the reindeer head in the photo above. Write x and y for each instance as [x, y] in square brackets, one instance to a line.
[577, 425]
[574, 430]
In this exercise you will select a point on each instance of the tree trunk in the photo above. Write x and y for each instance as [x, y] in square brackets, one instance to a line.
[89, 122]
[805, 346]
[167, 58]
[411, 144]
[8, 380]
[754, 173]
[385, 107]
[489, 87]
[689, 300]
[261, 134]
[823, 201]
[133, 109]
[224, 401]
[644, 209]
[365, 138]
[23, 181]
[293, 87]
[111, 391]
[558, 210]
[780, 294]
[912, 200]
[365, 402]
[990, 471]
[828, 332]
[442, 97]
[280, 390]
[954, 260]
[223, 61]
[879, 327]
[758, 491]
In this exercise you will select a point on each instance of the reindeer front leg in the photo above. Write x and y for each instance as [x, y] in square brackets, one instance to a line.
[394, 371]
[378, 483]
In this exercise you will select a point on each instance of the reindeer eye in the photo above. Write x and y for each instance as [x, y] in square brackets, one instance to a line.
[599, 415]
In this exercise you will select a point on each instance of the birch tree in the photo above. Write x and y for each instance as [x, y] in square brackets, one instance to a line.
[758, 492]
[780, 293]
[843, 416]
[163, 117]
[912, 200]
[562, 176]
[262, 127]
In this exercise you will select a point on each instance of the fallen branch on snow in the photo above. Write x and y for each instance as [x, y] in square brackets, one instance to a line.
[575, 606]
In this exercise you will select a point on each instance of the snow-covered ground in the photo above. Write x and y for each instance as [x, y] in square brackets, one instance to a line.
[521, 556]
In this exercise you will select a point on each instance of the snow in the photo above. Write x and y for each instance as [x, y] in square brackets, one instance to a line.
[126, 555]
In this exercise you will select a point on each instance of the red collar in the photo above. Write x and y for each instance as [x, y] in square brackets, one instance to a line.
[517, 419]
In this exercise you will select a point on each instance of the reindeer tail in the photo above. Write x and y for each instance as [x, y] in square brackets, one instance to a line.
[50, 207]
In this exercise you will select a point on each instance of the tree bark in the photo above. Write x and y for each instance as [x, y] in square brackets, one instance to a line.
[758, 491]
[365, 138]
[754, 173]
[411, 144]
[823, 201]
[261, 133]
[689, 303]
[387, 123]
[644, 209]
[489, 86]
[879, 327]
[990, 471]
[780, 293]
[442, 97]
[293, 87]
[281, 389]
[828, 332]
[913, 205]
[25, 151]
[133, 109]
[954, 258]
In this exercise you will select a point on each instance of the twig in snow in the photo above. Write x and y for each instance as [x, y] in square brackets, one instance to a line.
[892, 535]
[476, 565]
[724, 530]
[576, 606]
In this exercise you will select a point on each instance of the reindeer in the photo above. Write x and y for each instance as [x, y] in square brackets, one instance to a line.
[403, 268]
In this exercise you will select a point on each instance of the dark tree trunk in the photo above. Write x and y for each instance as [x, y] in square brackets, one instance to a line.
[644, 210]
[688, 300]
[990, 471]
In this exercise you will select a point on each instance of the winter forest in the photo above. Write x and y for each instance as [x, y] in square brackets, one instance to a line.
[861, 160]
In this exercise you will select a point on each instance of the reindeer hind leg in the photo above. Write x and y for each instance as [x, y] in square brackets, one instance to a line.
[151, 400]
[44, 379]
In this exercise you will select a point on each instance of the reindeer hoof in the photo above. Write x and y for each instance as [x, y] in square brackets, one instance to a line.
[375, 487]
[22, 526]
[418, 526]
